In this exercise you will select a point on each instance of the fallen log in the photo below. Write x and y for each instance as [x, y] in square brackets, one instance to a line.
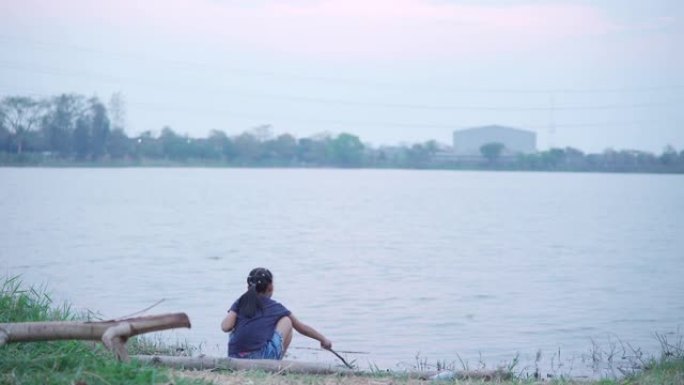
[285, 366]
[205, 362]
[113, 334]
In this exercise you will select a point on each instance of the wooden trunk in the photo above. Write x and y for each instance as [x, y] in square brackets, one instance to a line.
[284, 366]
[113, 334]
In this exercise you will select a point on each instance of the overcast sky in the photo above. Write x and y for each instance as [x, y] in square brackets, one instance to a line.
[587, 74]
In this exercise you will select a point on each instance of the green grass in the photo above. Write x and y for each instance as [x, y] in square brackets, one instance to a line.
[62, 362]
[664, 373]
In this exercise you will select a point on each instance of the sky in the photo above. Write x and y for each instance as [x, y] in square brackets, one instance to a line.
[586, 74]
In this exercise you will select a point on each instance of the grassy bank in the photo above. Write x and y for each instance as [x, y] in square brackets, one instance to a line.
[81, 363]
[63, 362]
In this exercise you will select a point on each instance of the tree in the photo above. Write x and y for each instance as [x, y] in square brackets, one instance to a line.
[247, 148]
[574, 158]
[262, 132]
[4, 137]
[646, 159]
[174, 146]
[118, 145]
[421, 154]
[20, 115]
[220, 144]
[347, 150]
[99, 128]
[314, 150]
[92, 131]
[283, 148]
[117, 111]
[492, 151]
[4, 131]
[82, 138]
[669, 156]
[60, 122]
[147, 146]
[553, 158]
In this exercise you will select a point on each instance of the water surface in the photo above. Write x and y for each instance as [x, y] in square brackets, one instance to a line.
[437, 265]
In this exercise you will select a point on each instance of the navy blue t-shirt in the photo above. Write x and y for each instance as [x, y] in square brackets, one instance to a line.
[251, 334]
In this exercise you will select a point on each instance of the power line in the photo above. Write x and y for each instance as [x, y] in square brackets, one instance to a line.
[344, 81]
[227, 112]
[327, 101]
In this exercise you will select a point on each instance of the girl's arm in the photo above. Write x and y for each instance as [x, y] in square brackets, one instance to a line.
[310, 332]
[228, 323]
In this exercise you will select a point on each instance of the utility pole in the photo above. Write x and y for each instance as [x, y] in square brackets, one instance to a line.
[552, 121]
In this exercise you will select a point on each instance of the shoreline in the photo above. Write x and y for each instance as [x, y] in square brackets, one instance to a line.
[209, 165]
[77, 362]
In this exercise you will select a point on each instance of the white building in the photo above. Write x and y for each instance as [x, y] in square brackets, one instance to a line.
[468, 142]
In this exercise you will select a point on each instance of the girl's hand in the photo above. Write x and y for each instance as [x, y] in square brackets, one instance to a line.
[326, 344]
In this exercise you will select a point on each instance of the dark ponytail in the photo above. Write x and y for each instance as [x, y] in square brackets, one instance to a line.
[257, 283]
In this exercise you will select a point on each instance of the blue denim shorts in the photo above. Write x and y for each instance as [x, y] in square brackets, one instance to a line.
[273, 350]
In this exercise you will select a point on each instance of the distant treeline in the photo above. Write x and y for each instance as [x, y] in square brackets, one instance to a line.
[72, 129]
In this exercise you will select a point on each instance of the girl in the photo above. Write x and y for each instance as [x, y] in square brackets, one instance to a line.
[261, 327]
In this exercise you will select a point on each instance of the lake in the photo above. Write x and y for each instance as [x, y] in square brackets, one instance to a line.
[409, 267]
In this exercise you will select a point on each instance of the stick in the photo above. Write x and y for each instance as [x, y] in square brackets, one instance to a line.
[340, 357]
[319, 349]
[142, 311]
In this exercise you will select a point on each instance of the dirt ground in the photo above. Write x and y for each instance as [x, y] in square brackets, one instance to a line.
[251, 378]
[261, 378]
